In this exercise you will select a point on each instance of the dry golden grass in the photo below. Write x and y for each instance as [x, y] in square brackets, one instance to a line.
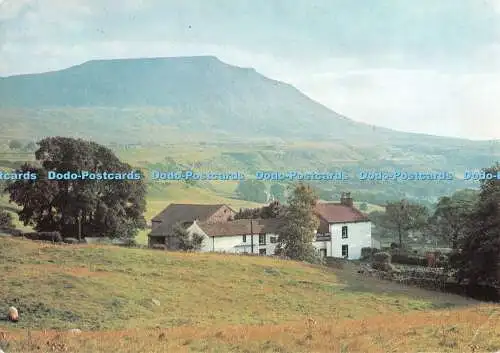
[466, 330]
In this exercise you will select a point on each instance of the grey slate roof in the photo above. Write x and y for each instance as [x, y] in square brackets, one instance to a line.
[241, 227]
[175, 213]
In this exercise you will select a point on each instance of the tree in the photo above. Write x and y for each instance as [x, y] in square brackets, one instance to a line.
[274, 210]
[300, 224]
[403, 216]
[278, 192]
[377, 217]
[111, 208]
[363, 207]
[6, 220]
[15, 144]
[252, 190]
[449, 219]
[479, 251]
[187, 241]
[248, 213]
[30, 147]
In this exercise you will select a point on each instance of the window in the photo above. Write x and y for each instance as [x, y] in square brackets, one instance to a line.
[344, 232]
[262, 239]
[244, 238]
[273, 240]
[262, 251]
[345, 251]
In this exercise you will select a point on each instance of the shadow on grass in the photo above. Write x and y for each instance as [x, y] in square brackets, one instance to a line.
[355, 282]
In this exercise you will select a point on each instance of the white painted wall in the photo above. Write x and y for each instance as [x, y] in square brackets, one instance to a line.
[234, 244]
[358, 237]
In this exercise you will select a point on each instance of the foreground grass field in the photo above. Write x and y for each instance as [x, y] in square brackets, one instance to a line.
[133, 300]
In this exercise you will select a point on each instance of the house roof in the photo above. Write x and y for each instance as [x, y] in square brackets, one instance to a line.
[186, 211]
[338, 213]
[241, 227]
[175, 213]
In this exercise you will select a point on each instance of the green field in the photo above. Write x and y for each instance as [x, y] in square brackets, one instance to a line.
[137, 300]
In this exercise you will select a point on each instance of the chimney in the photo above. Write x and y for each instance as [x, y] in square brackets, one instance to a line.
[346, 199]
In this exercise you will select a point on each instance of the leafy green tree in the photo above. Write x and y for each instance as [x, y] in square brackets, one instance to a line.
[479, 251]
[278, 191]
[15, 144]
[377, 217]
[274, 210]
[363, 207]
[450, 216]
[248, 213]
[252, 190]
[299, 226]
[187, 241]
[111, 208]
[403, 216]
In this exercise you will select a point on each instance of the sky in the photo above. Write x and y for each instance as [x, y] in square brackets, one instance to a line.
[430, 66]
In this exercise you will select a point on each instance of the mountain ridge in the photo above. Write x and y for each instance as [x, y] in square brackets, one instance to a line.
[196, 94]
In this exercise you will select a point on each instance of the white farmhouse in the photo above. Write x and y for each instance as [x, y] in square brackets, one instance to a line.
[343, 230]
[220, 232]
[253, 236]
[186, 215]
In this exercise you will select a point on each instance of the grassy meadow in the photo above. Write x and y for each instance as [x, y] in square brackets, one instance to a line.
[137, 300]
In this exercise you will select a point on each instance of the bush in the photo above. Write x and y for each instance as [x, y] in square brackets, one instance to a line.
[44, 236]
[367, 253]
[128, 242]
[12, 231]
[443, 261]
[394, 246]
[6, 220]
[382, 257]
[406, 259]
[384, 266]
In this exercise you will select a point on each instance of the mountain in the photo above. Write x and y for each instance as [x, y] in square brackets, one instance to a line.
[132, 98]
[221, 117]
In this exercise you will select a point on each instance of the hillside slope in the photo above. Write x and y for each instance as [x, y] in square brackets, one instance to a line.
[200, 92]
[220, 303]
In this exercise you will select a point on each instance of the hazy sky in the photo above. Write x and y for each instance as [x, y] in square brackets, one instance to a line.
[425, 65]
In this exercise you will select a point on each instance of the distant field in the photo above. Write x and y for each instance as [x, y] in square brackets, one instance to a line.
[221, 303]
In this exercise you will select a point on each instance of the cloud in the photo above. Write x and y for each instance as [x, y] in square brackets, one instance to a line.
[414, 100]
[11, 9]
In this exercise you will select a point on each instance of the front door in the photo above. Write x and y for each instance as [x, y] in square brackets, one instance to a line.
[322, 253]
